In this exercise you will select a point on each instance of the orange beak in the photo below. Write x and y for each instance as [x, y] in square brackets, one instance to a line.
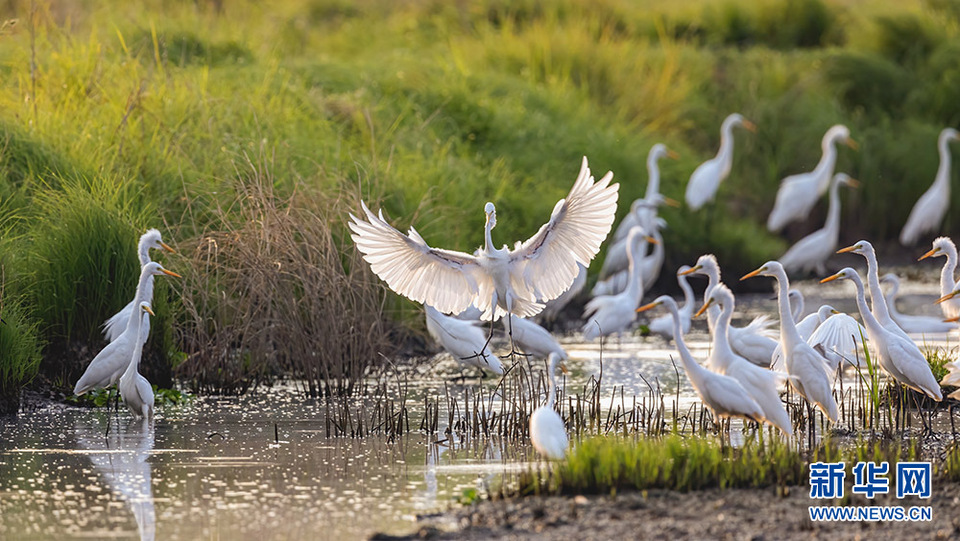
[830, 278]
[171, 273]
[690, 270]
[931, 253]
[749, 126]
[672, 155]
[853, 183]
[703, 308]
[646, 307]
[167, 247]
[671, 202]
[952, 319]
[652, 240]
[847, 249]
[852, 144]
[751, 274]
[947, 297]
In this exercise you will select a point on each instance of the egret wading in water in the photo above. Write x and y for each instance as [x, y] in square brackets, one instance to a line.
[929, 210]
[943, 246]
[722, 394]
[798, 193]
[547, 431]
[898, 356]
[806, 368]
[761, 384]
[811, 252]
[751, 342]
[109, 364]
[805, 327]
[609, 314]
[535, 340]
[651, 198]
[465, 341]
[497, 281]
[910, 323]
[706, 178]
[114, 327]
[663, 325]
[135, 391]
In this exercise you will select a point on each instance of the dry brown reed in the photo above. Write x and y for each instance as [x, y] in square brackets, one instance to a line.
[276, 287]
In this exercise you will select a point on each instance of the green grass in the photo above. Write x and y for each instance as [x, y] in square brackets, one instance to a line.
[146, 113]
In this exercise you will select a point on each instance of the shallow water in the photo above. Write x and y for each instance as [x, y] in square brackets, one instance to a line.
[262, 466]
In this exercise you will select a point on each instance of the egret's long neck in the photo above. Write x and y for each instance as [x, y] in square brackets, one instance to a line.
[144, 293]
[487, 236]
[694, 370]
[947, 281]
[833, 213]
[552, 386]
[713, 278]
[828, 161]
[653, 174]
[144, 253]
[635, 250]
[876, 294]
[721, 342]
[687, 293]
[789, 335]
[943, 172]
[137, 349]
[725, 154]
[869, 319]
[891, 298]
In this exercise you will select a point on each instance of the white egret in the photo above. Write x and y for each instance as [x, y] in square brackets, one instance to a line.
[761, 384]
[497, 281]
[751, 342]
[943, 246]
[910, 323]
[706, 178]
[609, 314]
[135, 390]
[805, 366]
[952, 378]
[797, 304]
[647, 206]
[552, 308]
[114, 327]
[877, 301]
[798, 193]
[928, 212]
[464, 340]
[615, 259]
[663, 325]
[547, 431]
[837, 338]
[649, 263]
[722, 394]
[898, 356]
[109, 364]
[811, 252]
[805, 327]
[534, 339]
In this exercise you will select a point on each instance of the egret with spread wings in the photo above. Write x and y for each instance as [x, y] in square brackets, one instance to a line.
[497, 281]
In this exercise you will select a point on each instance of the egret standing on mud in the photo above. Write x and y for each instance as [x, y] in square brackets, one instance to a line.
[114, 327]
[547, 432]
[497, 281]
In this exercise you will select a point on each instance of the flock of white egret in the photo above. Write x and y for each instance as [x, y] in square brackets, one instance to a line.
[747, 365]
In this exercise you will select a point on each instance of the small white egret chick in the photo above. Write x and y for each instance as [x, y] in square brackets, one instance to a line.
[109, 364]
[464, 339]
[943, 246]
[722, 394]
[135, 391]
[798, 193]
[898, 356]
[609, 314]
[114, 327]
[646, 207]
[928, 212]
[910, 323]
[706, 178]
[663, 325]
[761, 384]
[497, 281]
[534, 339]
[812, 252]
[751, 342]
[547, 431]
[805, 366]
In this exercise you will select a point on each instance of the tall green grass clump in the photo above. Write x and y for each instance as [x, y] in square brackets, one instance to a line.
[599, 465]
[82, 263]
[20, 352]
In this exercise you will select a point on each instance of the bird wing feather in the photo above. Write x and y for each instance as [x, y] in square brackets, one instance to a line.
[445, 279]
[547, 261]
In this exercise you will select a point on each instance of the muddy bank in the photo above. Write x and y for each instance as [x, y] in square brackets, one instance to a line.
[711, 514]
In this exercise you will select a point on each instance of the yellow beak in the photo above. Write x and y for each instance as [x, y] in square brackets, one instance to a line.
[672, 154]
[751, 274]
[853, 183]
[952, 319]
[703, 308]
[830, 278]
[167, 247]
[563, 368]
[171, 273]
[947, 297]
[847, 249]
[749, 126]
[671, 202]
[148, 310]
[852, 144]
[931, 253]
[690, 270]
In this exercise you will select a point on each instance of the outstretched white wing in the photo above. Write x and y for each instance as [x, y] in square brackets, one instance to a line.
[547, 262]
[839, 334]
[444, 279]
